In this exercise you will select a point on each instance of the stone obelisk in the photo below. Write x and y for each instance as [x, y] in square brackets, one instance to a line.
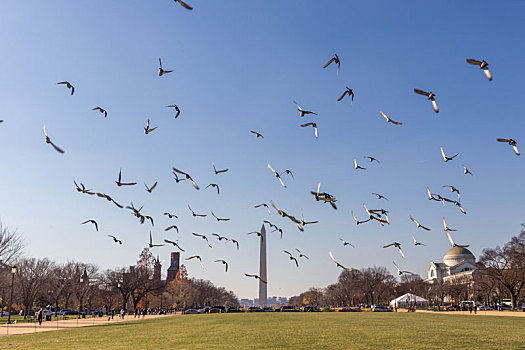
[263, 292]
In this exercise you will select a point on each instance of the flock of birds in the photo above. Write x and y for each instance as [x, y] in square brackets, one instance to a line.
[377, 215]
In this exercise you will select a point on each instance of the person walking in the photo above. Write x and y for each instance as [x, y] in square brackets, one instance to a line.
[39, 316]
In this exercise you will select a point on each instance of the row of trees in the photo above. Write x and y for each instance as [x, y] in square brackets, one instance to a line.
[500, 275]
[45, 283]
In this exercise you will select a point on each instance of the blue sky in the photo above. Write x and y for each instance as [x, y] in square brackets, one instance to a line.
[238, 66]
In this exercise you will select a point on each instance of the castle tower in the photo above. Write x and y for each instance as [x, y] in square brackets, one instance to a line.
[174, 267]
[157, 269]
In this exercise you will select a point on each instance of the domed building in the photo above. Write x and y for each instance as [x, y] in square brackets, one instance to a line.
[457, 262]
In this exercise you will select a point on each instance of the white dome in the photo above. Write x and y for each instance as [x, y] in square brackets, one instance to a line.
[458, 255]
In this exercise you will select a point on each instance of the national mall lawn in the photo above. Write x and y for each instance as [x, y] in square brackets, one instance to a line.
[359, 330]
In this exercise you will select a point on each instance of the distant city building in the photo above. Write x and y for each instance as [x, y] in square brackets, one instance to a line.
[272, 301]
[246, 302]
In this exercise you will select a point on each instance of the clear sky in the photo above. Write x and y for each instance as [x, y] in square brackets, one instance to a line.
[238, 66]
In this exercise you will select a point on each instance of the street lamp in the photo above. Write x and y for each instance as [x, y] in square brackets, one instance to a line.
[13, 272]
[80, 295]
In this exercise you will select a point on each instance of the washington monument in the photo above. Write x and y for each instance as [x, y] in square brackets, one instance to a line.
[263, 287]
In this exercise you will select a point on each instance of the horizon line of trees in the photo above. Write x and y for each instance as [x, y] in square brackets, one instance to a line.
[41, 282]
[500, 275]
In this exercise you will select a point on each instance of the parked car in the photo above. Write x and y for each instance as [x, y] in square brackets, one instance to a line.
[452, 308]
[254, 309]
[348, 309]
[310, 309]
[46, 312]
[484, 308]
[91, 312]
[288, 308]
[190, 312]
[380, 308]
[68, 312]
[234, 310]
[4, 313]
[217, 310]
[204, 310]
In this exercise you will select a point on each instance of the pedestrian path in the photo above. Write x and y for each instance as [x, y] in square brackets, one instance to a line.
[72, 322]
[479, 313]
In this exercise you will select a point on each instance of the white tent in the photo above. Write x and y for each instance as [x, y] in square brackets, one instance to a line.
[408, 299]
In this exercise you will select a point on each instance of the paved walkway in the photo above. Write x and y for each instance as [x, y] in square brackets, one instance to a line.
[479, 313]
[33, 327]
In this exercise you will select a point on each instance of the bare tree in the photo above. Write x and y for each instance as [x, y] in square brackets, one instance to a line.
[458, 288]
[11, 245]
[32, 274]
[312, 297]
[335, 295]
[507, 265]
[351, 287]
[376, 281]
[120, 280]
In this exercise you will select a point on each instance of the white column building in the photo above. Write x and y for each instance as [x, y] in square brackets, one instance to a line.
[457, 262]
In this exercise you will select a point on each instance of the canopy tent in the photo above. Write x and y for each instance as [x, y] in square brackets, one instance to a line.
[409, 299]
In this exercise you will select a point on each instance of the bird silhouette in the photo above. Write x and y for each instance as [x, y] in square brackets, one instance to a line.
[277, 175]
[264, 205]
[257, 134]
[313, 124]
[513, 143]
[115, 239]
[335, 60]
[217, 172]
[162, 71]
[224, 262]
[183, 4]
[303, 112]
[148, 129]
[151, 245]
[150, 189]
[256, 277]
[177, 109]
[120, 183]
[48, 140]
[186, 175]
[195, 214]
[68, 85]
[214, 185]
[91, 221]
[482, 65]
[418, 224]
[217, 218]
[388, 120]
[175, 244]
[203, 237]
[445, 158]
[348, 92]
[430, 96]
[196, 257]
[337, 263]
[398, 246]
[101, 110]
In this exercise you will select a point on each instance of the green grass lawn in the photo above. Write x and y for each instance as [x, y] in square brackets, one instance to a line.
[290, 331]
